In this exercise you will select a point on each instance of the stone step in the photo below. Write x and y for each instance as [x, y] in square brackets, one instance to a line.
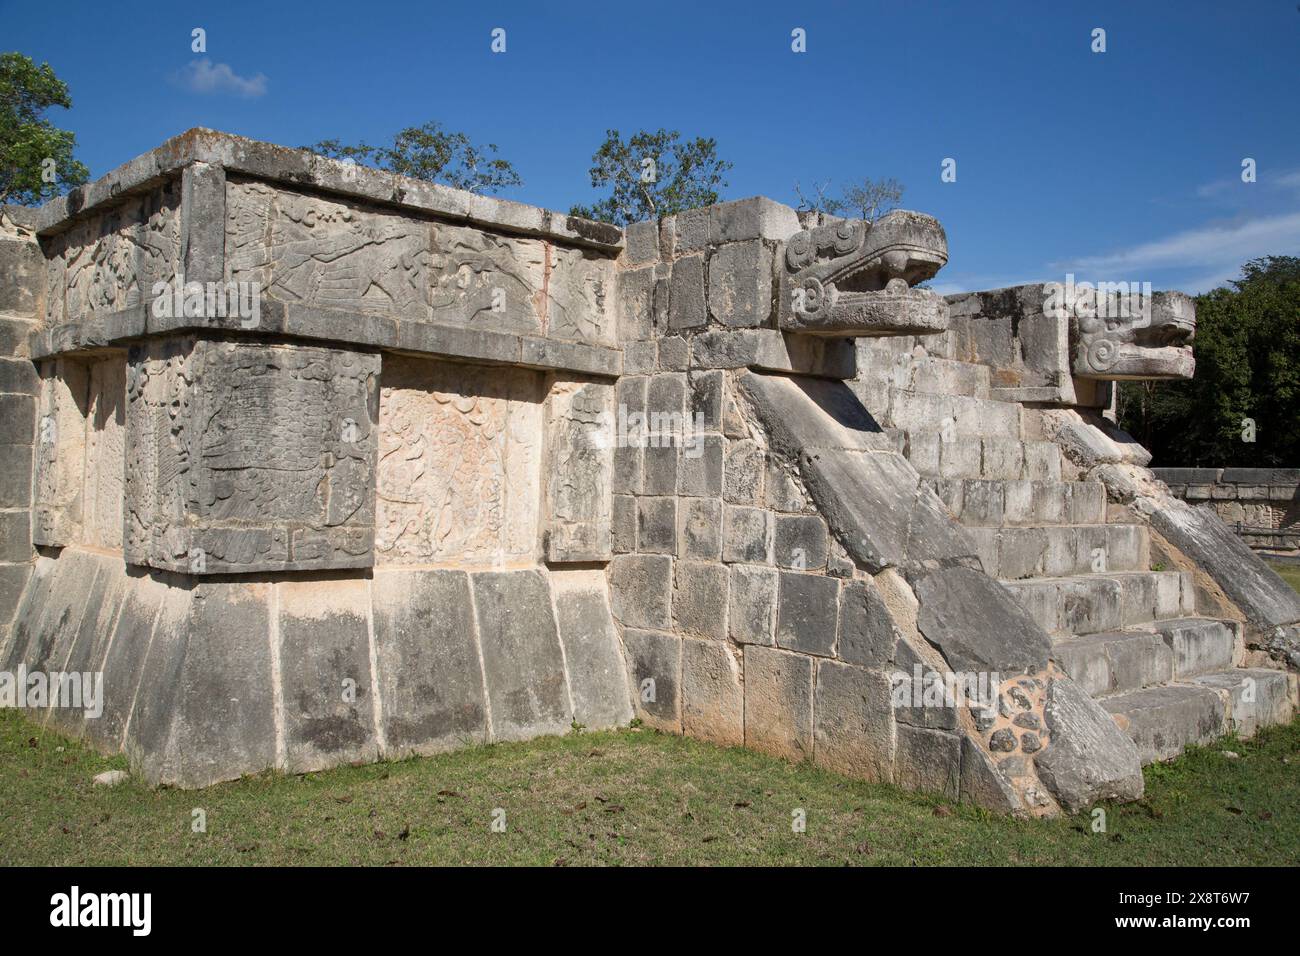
[1165, 720]
[997, 458]
[1063, 549]
[1255, 697]
[953, 415]
[924, 373]
[991, 502]
[1116, 661]
[1094, 603]
[1200, 645]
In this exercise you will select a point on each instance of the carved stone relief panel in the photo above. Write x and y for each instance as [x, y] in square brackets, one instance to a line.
[580, 438]
[485, 281]
[459, 463]
[320, 252]
[111, 260]
[105, 471]
[250, 457]
[58, 498]
[581, 297]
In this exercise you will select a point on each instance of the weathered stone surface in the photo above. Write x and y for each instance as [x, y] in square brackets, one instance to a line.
[751, 616]
[746, 534]
[1089, 757]
[807, 609]
[700, 599]
[713, 704]
[700, 528]
[459, 463]
[208, 711]
[779, 702]
[854, 728]
[975, 623]
[267, 451]
[686, 299]
[326, 684]
[654, 661]
[1265, 598]
[592, 654]
[982, 783]
[578, 471]
[867, 633]
[740, 284]
[928, 760]
[1162, 721]
[800, 542]
[657, 524]
[523, 665]
[640, 587]
[428, 672]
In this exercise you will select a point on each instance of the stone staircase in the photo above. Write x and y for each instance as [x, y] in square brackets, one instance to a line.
[1127, 633]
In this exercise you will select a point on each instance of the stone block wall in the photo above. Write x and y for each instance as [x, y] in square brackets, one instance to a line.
[1251, 500]
[21, 293]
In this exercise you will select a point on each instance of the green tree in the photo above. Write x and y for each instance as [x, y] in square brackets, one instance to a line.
[652, 175]
[1247, 367]
[433, 154]
[36, 161]
[868, 198]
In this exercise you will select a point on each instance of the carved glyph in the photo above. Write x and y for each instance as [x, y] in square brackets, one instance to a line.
[249, 456]
[111, 260]
[459, 463]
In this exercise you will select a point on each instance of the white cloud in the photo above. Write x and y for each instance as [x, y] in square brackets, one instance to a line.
[204, 76]
[1222, 248]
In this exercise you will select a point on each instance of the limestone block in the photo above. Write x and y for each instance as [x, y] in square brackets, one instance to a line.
[674, 354]
[523, 665]
[800, 542]
[686, 298]
[713, 705]
[592, 653]
[428, 673]
[740, 284]
[867, 633]
[779, 702]
[743, 473]
[654, 662]
[640, 589]
[623, 520]
[928, 760]
[699, 532]
[657, 524]
[635, 294]
[250, 457]
[854, 729]
[700, 599]
[976, 624]
[699, 466]
[642, 242]
[326, 684]
[23, 266]
[746, 535]
[460, 458]
[105, 449]
[807, 609]
[207, 713]
[751, 615]
[1089, 757]
[579, 471]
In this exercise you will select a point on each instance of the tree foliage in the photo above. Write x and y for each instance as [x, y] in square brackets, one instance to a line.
[865, 198]
[652, 175]
[1247, 367]
[36, 157]
[433, 154]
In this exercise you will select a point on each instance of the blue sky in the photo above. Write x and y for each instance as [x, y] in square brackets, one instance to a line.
[1123, 165]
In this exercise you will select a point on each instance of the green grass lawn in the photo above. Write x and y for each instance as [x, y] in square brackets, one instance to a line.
[1290, 573]
[624, 797]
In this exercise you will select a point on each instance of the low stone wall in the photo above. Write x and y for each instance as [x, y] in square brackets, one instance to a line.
[1260, 504]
